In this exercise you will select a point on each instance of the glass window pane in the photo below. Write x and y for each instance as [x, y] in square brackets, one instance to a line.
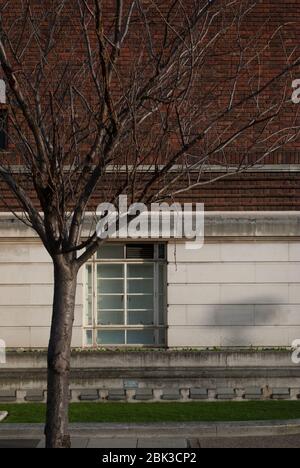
[145, 337]
[140, 251]
[108, 277]
[110, 317]
[141, 317]
[88, 337]
[162, 310]
[161, 251]
[140, 271]
[162, 336]
[140, 302]
[110, 286]
[89, 311]
[111, 251]
[110, 337]
[162, 279]
[89, 279]
[141, 286]
[111, 302]
[110, 271]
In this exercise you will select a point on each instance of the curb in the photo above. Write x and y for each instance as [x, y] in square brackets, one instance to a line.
[3, 415]
[188, 430]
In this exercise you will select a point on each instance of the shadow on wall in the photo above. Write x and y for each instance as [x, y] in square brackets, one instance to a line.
[245, 325]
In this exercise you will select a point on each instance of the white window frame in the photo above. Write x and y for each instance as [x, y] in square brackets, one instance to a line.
[157, 327]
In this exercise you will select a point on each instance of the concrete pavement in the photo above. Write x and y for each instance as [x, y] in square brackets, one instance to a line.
[257, 434]
[190, 430]
[289, 441]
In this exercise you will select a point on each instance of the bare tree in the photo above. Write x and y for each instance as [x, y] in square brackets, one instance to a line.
[132, 97]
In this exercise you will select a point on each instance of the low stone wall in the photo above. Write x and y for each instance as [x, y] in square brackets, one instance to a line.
[157, 376]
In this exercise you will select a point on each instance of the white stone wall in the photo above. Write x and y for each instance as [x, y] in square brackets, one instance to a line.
[234, 294]
[26, 291]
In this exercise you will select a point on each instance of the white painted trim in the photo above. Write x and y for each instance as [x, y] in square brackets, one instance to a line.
[257, 168]
[214, 168]
[238, 214]
[2, 92]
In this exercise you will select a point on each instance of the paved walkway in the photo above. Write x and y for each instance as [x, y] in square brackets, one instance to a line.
[267, 434]
[292, 441]
[189, 430]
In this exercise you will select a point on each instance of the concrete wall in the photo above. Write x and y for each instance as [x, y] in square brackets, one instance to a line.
[96, 376]
[234, 294]
[26, 290]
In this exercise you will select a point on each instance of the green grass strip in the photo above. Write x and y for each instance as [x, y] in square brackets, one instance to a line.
[160, 412]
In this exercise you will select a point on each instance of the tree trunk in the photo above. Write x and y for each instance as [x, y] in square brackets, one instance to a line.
[59, 354]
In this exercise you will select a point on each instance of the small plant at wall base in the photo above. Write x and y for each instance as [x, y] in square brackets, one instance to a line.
[97, 91]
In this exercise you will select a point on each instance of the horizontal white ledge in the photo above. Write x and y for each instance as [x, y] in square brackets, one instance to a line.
[219, 224]
[22, 169]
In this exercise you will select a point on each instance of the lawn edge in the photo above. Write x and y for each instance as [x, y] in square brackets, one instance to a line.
[150, 430]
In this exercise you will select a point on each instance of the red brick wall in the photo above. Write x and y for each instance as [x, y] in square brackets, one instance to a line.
[252, 191]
